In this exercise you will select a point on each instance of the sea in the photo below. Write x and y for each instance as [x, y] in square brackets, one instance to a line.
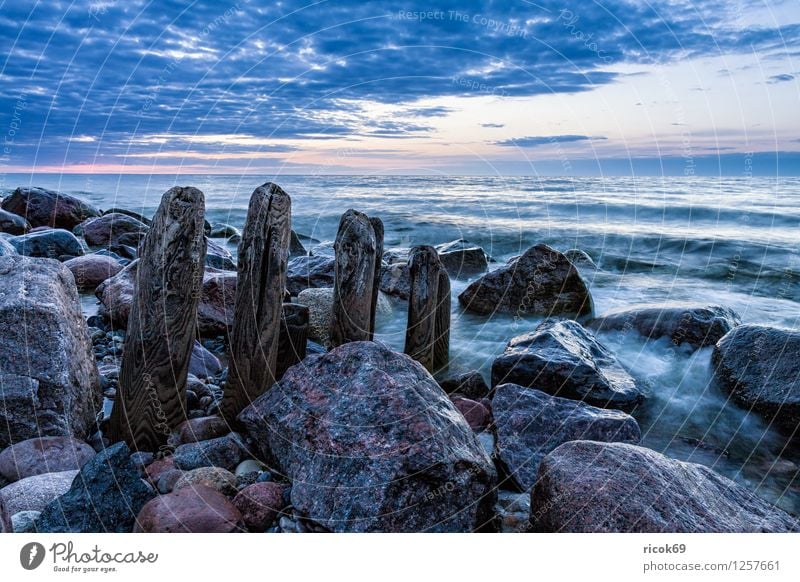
[732, 241]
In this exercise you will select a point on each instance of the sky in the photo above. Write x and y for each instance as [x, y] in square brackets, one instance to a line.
[561, 87]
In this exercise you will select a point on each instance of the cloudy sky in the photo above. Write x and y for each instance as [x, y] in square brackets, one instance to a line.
[553, 86]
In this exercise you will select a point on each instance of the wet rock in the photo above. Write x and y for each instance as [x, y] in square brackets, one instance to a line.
[6, 248]
[580, 258]
[587, 486]
[42, 455]
[759, 367]
[698, 326]
[224, 452]
[462, 259]
[91, 270]
[203, 363]
[35, 493]
[116, 296]
[49, 383]
[49, 244]
[106, 497]
[42, 207]
[222, 230]
[195, 509]
[296, 248]
[216, 308]
[112, 229]
[320, 311]
[13, 224]
[530, 424]
[216, 478]
[469, 384]
[260, 504]
[475, 413]
[219, 257]
[395, 280]
[138, 216]
[308, 271]
[333, 422]
[323, 249]
[563, 359]
[540, 282]
[24, 521]
[201, 429]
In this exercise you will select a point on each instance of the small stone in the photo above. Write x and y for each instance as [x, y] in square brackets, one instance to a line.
[222, 452]
[475, 413]
[249, 466]
[167, 480]
[470, 384]
[196, 509]
[201, 429]
[214, 477]
[260, 504]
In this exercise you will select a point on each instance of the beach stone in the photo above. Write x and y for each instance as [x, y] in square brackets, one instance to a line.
[222, 230]
[563, 359]
[395, 280]
[105, 497]
[216, 309]
[335, 422]
[580, 258]
[159, 466]
[320, 311]
[49, 385]
[216, 478]
[587, 486]
[698, 326]
[42, 207]
[296, 248]
[24, 521]
[116, 296]
[42, 455]
[529, 424]
[542, 282]
[260, 504]
[201, 429]
[91, 270]
[166, 481]
[196, 509]
[219, 257]
[224, 452]
[249, 466]
[469, 384]
[758, 366]
[127, 212]
[323, 249]
[475, 413]
[112, 229]
[6, 524]
[202, 363]
[13, 223]
[35, 493]
[6, 248]
[462, 259]
[49, 244]
[309, 271]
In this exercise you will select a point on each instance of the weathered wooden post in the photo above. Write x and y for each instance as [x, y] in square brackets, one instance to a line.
[150, 400]
[293, 337]
[263, 255]
[428, 329]
[356, 278]
[377, 227]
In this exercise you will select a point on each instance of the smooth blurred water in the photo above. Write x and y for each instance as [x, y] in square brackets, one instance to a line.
[730, 241]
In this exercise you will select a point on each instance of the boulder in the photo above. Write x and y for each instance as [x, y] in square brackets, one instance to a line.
[91, 270]
[49, 383]
[475, 413]
[260, 504]
[25, 521]
[6, 523]
[395, 280]
[49, 244]
[542, 282]
[195, 509]
[462, 259]
[110, 230]
[563, 359]
[759, 367]
[529, 424]
[309, 271]
[296, 248]
[698, 326]
[218, 257]
[580, 258]
[225, 452]
[13, 223]
[42, 455]
[203, 363]
[216, 309]
[586, 486]
[320, 311]
[469, 384]
[35, 493]
[221, 230]
[323, 249]
[116, 296]
[216, 478]
[106, 496]
[202, 429]
[6, 248]
[138, 216]
[42, 207]
[373, 422]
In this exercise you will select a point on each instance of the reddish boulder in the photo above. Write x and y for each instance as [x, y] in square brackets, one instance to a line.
[201, 429]
[42, 455]
[196, 509]
[91, 270]
[475, 413]
[42, 207]
[260, 504]
[112, 229]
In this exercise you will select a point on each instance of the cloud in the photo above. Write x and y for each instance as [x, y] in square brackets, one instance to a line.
[493, 125]
[783, 78]
[539, 140]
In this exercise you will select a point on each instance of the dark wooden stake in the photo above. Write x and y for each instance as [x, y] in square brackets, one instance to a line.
[293, 338]
[355, 282]
[377, 228]
[150, 400]
[428, 329]
[263, 255]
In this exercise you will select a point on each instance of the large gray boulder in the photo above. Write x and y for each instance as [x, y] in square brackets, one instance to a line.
[760, 367]
[696, 325]
[112, 229]
[48, 377]
[42, 207]
[309, 271]
[36, 492]
[320, 311]
[396, 280]
[13, 223]
[587, 486]
[462, 258]
[540, 282]
[563, 359]
[49, 244]
[530, 424]
[372, 444]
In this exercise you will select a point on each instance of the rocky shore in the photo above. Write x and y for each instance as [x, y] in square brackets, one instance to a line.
[355, 437]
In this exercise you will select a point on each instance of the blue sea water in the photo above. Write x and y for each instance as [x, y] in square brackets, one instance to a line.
[729, 241]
